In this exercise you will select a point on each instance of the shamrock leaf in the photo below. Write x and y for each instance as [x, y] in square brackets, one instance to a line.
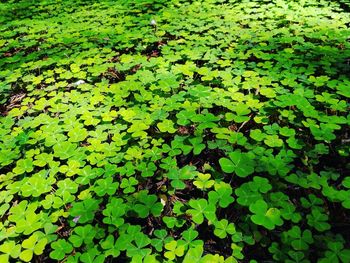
[197, 145]
[23, 166]
[246, 195]
[128, 185]
[10, 249]
[257, 135]
[148, 205]
[223, 227]
[85, 210]
[273, 141]
[298, 239]
[60, 248]
[205, 120]
[174, 249]
[114, 212]
[201, 208]
[189, 237]
[263, 216]
[109, 246]
[139, 248]
[336, 253]
[318, 220]
[147, 170]
[160, 240]
[166, 126]
[105, 186]
[177, 176]
[202, 182]
[222, 194]
[64, 150]
[77, 134]
[194, 255]
[35, 244]
[92, 256]
[82, 234]
[240, 163]
[172, 222]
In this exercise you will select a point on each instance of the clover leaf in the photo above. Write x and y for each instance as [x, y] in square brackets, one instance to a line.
[264, 216]
[318, 220]
[140, 247]
[85, 210]
[60, 248]
[148, 205]
[23, 166]
[189, 237]
[246, 195]
[64, 150]
[257, 135]
[161, 238]
[82, 234]
[9, 249]
[166, 126]
[298, 239]
[92, 256]
[203, 181]
[77, 134]
[174, 249]
[223, 227]
[147, 170]
[201, 209]
[273, 141]
[335, 253]
[114, 212]
[240, 163]
[109, 246]
[177, 176]
[222, 195]
[128, 185]
[35, 244]
[172, 222]
[105, 186]
[197, 145]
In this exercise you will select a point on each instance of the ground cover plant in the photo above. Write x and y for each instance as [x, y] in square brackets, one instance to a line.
[174, 131]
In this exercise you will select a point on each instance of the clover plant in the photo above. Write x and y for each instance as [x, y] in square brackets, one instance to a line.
[174, 131]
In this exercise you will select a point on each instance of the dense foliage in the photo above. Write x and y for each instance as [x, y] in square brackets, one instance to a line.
[174, 131]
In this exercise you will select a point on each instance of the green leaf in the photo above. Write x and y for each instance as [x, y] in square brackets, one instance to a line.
[106, 186]
[10, 248]
[84, 211]
[223, 227]
[161, 239]
[239, 162]
[257, 135]
[222, 194]
[92, 256]
[32, 245]
[64, 150]
[166, 126]
[264, 216]
[193, 255]
[128, 185]
[203, 181]
[77, 135]
[82, 234]
[148, 205]
[23, 166]
[60, 248]
[201, 208]
[174, 249]
[273, 141]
